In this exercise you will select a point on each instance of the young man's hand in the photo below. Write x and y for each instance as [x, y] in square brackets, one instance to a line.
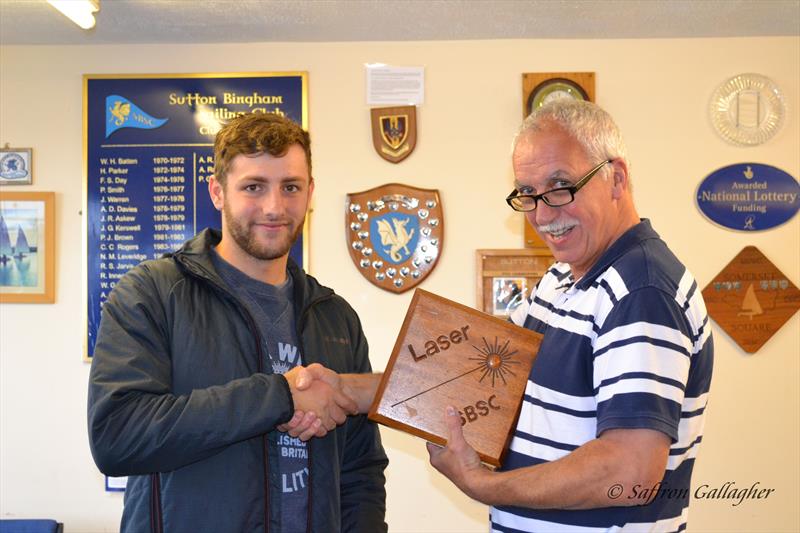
[356, 394]
[321, 402]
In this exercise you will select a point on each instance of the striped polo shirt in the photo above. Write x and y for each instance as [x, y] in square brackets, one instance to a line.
[627, 346]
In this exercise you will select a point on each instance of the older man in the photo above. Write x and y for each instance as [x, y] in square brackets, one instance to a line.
[614, 407]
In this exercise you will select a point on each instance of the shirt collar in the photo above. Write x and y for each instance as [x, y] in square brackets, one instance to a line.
[628, 240]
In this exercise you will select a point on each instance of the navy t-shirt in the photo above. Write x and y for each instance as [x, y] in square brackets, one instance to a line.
[272, 308]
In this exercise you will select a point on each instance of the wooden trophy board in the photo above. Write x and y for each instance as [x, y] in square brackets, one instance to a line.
[450, 354]
[751, 299]
[538, 83]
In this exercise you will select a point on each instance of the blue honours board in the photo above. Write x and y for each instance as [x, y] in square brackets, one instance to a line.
[149, 148]
[749, 196]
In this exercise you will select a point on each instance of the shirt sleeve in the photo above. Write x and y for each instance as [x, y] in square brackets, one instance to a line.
[641, 362]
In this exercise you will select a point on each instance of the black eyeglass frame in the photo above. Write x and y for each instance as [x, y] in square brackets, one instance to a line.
[543, 196]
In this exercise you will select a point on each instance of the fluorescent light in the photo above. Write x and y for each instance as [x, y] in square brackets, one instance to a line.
[78, 11]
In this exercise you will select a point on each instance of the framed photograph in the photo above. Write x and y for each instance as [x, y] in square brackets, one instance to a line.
[506, 277]
[27, 247]
[16, 166]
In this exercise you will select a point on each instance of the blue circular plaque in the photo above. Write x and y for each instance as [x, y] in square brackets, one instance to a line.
[749, 196]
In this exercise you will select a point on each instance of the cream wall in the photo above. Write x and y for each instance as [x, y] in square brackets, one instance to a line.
[658, 91]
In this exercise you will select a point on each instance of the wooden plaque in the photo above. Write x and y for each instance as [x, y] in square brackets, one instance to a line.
[394, 131]
[505, 277]
[751, 299]
[395, 234]
[531, 82]
[450, 354]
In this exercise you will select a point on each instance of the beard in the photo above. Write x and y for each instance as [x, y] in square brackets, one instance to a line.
[244, 237]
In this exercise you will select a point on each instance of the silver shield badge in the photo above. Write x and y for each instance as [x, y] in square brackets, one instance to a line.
[394, 234]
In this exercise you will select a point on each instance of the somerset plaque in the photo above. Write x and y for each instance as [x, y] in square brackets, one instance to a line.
[751, 299]
[450, 354]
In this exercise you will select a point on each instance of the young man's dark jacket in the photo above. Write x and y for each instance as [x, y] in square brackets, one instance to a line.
[180, 400]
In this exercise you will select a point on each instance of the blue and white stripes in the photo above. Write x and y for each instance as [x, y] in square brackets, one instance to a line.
[627, 346]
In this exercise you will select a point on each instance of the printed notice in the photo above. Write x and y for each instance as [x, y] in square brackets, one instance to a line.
[388, 85]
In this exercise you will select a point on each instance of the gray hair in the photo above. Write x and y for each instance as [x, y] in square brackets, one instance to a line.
[591, 126]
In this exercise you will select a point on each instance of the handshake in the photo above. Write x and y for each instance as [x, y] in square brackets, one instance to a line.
[323, 399]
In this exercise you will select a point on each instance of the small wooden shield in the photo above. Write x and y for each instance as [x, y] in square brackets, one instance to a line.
[395, 234]
[394, 132]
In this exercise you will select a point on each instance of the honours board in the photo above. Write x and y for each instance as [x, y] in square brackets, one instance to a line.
[149, 151]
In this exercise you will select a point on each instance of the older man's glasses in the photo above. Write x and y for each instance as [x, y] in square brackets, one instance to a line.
[553, 197]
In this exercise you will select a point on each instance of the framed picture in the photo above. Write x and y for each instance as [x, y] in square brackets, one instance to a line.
[506, 277]
[27, 247]
[16, 166]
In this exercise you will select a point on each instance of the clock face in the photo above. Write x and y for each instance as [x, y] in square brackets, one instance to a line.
[553, 89]
[448, 354]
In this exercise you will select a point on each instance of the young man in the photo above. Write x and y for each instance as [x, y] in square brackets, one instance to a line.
[197, 360]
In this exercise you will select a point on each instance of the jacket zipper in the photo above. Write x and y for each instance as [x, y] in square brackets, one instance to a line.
[156, 524]
[260, 369]
[264, 439]
[300, 323]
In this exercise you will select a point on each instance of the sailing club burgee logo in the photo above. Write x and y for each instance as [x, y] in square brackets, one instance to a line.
[394, 234]
[122, 113]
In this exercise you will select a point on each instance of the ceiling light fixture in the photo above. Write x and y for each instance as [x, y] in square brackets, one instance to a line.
[81, 12]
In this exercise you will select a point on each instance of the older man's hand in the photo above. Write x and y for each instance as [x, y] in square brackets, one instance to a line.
[458, 461]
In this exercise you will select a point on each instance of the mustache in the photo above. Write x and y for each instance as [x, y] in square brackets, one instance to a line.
[558, 226]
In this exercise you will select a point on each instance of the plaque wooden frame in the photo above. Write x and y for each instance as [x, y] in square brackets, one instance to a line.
[450, 354]
[751, 299]
[528, 265]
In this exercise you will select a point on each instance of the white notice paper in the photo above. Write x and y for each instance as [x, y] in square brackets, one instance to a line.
[116, 484]
[387, 85]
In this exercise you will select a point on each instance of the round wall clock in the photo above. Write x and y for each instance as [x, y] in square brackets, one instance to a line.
[747, 109]
[553, 89]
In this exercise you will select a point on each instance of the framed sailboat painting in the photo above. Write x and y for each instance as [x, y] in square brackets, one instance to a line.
[27, 247]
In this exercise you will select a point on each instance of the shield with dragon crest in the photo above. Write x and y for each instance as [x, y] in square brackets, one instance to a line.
[394, 131]
[394, 234]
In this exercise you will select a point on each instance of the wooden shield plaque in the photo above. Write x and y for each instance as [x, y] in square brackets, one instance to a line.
[395, 234]
[751, 299]
[394, 131]
[450, 354]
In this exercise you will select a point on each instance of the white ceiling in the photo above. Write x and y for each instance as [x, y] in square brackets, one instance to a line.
[211, 21]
